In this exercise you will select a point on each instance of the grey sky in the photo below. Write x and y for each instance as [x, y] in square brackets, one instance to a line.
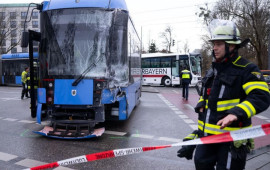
[153, 16]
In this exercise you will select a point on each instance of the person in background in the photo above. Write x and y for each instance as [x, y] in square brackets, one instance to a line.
[24, 83]
[186, 78]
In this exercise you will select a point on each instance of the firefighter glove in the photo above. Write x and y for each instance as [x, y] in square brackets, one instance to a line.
[186, 151]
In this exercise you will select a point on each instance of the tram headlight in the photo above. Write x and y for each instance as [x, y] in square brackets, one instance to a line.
[50, 85]
[100, 85]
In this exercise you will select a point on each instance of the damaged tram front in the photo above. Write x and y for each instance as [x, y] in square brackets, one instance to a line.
[89, 60]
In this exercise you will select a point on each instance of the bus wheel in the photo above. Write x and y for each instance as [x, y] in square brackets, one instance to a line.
[166, 81]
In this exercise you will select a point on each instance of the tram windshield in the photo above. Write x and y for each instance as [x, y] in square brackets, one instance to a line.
[74, 39]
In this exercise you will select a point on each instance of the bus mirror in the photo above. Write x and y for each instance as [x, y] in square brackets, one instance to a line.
[25, 39]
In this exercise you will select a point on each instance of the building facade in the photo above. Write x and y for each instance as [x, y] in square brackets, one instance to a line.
[12, 24]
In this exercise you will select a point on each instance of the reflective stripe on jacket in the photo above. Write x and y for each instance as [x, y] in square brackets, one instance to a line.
[185, 74]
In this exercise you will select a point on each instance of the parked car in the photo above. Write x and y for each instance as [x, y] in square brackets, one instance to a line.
[266, 74]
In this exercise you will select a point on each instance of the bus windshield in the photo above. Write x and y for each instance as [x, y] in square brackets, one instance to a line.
[77, 38]
[195, 65]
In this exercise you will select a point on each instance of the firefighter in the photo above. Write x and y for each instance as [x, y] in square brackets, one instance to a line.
[233, 91]
[24, 83]
[186, 78]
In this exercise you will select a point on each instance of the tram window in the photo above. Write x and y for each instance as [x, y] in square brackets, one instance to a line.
[165, 62]
[35, 49]
[25, 50]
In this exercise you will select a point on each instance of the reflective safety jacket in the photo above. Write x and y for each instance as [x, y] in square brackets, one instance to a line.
[23, 77]
[28, 82]
[186, 76]
[234, 87]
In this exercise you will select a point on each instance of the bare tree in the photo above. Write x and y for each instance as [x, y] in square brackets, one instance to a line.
[186, 47]
[167, 36]
[253, 20]
[8, 31]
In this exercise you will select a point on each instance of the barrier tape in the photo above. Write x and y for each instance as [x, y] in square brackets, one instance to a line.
[253, 132]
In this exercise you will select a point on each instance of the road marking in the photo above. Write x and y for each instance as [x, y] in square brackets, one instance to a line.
[179, 112]
[32, 163]
[27, 121]
[177, 92]
[183, 116]
[7, 99]
[261, 117]
[189, 121]
[175, 109]
[10, 119]
[62, 168]
[189, 106]
[115, 133]
[1, 117]
[106, 132]
[29, 163]
[142, 136]
[9, 92]
[194, 127]
[169, 139]
[6, 157]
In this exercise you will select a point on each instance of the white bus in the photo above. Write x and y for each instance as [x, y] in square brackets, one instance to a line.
[164, 68]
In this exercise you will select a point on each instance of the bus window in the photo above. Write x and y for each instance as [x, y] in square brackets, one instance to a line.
[165, 62]
[195, 65]
[175, 67]
[146, 63]
[155, 62]
[183, 64]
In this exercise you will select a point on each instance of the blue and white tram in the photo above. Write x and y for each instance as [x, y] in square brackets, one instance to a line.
[89, 57]
[12, 66]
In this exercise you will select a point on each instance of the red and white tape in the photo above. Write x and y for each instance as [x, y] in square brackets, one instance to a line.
[253, 132]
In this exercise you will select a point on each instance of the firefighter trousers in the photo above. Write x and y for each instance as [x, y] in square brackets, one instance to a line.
[219, 157]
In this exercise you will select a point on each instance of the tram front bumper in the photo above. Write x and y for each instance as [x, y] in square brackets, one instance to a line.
[48, 131]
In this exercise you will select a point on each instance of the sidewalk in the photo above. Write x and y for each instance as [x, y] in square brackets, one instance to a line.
[259, 159]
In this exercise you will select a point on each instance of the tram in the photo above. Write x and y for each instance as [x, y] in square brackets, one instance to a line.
[89, 65]
[12, 66]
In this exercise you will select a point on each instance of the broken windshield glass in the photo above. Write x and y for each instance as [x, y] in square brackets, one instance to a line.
[82, 37]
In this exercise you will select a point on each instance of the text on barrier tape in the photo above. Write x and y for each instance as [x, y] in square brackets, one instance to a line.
[253, 132]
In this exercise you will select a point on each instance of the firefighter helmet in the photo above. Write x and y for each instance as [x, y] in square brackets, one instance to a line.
[224, 30]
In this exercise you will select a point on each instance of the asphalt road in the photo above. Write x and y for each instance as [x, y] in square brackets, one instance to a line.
[161, 118]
